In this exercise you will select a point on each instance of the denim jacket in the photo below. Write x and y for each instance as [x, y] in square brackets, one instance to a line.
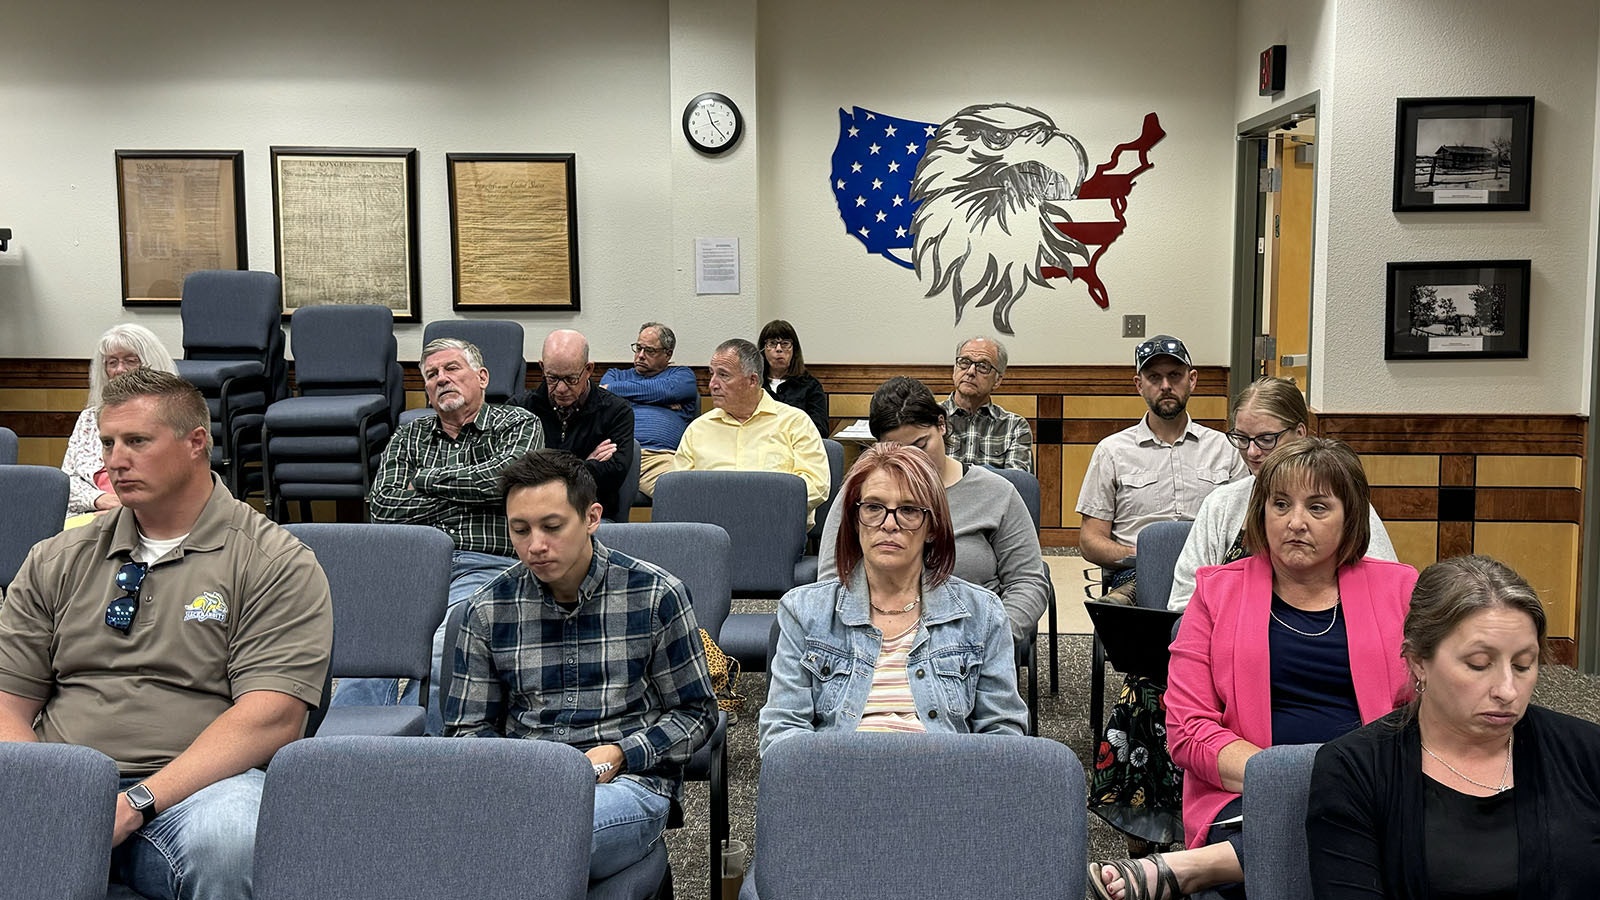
[962, 669]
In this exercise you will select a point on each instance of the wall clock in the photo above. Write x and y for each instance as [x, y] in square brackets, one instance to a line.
[712, 123]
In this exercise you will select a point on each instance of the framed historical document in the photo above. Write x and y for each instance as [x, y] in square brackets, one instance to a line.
[345, 227]
[1458, 310]
[514, 230]
[180, 211]
[1454, 154]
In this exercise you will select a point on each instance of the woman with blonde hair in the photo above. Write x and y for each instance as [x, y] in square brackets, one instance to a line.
[122, 348]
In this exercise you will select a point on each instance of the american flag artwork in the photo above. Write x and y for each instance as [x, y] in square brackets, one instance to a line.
[985, 203]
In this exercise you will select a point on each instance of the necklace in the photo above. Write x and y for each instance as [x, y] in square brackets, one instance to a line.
[895, 612]
[1331, 622]
[1505, 774]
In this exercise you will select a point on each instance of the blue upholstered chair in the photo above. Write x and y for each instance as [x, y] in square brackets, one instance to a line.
[1028, 654]
[1277, 786]
[805, 571]
[500, 342]
[325, 444]
[1159, 546]
[822, 829]
[364, 818]
[630, 485]
[34, 499]
[233, 352]
[59, 802]
[8, 447]
[390, 585]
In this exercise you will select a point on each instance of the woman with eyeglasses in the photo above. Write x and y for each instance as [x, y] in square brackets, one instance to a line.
[785, 376]
[1297, 643]
[122, 348]
[895, 643]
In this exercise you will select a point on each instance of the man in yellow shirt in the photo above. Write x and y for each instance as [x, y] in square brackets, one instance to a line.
[750, 431]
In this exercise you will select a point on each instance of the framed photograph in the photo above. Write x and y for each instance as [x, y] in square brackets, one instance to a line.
[1462, 153]
[179, 211]
[345, 227]
[514, 230]
[1458, 310]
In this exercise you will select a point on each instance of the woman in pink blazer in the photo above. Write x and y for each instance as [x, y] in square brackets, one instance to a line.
[1298, 643]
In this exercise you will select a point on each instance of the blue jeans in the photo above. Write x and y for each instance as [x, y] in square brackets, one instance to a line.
[200, 849]
[469, 571]
[628, 820]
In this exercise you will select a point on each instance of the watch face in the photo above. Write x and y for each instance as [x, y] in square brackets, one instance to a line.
[140, 797]
[712, 123]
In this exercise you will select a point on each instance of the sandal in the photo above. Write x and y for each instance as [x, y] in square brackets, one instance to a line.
[1135, 887]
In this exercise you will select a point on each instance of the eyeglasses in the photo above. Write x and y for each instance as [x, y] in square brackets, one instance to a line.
[1263, 442]
[568, 380]
[120, 613]
[874, 514]
[983, 366]
[648, 350]
[778, 344]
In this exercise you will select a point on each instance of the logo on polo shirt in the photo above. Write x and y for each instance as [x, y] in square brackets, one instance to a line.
[208, 607]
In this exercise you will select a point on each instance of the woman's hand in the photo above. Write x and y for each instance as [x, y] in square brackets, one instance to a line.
[106, 502]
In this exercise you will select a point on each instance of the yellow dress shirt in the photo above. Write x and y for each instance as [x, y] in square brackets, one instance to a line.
[777, 438]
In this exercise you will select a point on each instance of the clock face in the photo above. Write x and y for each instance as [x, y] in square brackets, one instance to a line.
[712, 123]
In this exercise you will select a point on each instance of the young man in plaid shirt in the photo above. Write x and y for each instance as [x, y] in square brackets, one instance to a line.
[587, 646]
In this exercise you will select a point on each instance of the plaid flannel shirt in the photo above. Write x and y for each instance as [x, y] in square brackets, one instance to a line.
[429, 478]
[624, 666]
[989, 437]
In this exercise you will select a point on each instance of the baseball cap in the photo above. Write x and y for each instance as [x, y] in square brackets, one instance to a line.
[1160, 345]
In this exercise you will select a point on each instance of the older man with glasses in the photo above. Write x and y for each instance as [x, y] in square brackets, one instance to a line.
[665, 400]
[182, 634]
[595, 426]
[980, 433]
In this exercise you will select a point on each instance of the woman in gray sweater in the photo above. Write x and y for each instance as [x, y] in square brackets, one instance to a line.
[996, 544]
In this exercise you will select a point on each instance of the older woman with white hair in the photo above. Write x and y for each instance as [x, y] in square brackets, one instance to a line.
[122, 348]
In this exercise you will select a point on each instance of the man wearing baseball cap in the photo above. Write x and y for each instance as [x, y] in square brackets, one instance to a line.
[1156, 471]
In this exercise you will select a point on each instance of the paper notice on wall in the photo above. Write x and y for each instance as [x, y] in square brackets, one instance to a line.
[1455, 345]
[1444, 198]
[716, 265]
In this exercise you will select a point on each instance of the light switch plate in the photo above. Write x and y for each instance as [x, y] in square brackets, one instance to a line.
[1132, 326]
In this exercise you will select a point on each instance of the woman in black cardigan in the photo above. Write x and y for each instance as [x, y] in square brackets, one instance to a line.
[785, 375]
[1468, 792]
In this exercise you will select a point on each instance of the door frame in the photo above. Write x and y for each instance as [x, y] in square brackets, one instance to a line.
[1248, 218]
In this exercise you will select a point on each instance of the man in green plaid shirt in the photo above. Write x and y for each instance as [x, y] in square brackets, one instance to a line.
[978, 432]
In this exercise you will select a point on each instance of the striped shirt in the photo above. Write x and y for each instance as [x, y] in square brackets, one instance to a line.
[989, 437]
[624, 666]
[890, 706]
[430, 478]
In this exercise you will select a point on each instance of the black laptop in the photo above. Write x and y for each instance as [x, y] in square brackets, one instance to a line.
[1135, 638]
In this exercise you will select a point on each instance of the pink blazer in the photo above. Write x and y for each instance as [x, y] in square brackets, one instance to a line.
[1219, 683]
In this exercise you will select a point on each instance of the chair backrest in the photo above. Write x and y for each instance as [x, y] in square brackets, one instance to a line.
[1277, 785]
[390, 586]
[822, 830]
[8, 447]
[764, 514]
[232, 314]
[700, 555]
[343, 350]
[630, 484]
[1027, 485]
[395, 818]
[1159, 545]
[34, 499]
[59, 802]
[835, 451]
[500, 342]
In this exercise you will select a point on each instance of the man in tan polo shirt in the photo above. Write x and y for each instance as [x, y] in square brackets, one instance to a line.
[183, 635]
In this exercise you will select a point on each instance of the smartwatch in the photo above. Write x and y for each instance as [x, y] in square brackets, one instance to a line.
[140, 798]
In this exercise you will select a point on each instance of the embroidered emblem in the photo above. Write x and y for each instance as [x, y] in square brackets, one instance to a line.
[209, 606]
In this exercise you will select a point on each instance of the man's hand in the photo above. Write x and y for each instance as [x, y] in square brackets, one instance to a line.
[604, 451]
[127, 821]
[606, 753]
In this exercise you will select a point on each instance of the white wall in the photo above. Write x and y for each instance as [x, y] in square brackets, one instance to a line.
[1096, 68]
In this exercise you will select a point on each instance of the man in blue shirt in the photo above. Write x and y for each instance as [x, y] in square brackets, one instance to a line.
[587, 646]
[665, 400]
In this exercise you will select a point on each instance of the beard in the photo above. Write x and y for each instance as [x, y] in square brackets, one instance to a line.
[1168, 408]
[450, 402]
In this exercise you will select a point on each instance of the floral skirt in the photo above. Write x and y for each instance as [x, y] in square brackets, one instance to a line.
[1135, 786]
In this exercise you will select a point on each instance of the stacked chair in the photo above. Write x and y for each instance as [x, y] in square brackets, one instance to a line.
[233, 352]
[325, 444]
[500, 342]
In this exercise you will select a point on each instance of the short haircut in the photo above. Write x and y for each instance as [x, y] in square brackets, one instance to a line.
[1450, 590]
[669, 341]
[1327, 465]
[540, 467]
[1279, 398]
[903, 401]
[911, 468]
[1001, 358]
[751, 360]
[134, 338]
[781, 330]
[468, 349]
[180, 404]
